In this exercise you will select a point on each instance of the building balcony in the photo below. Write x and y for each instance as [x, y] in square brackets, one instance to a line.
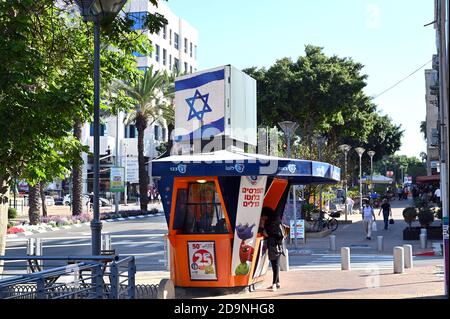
[106, 142]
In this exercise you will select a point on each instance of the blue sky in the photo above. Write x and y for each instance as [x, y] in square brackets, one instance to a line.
[386, 36]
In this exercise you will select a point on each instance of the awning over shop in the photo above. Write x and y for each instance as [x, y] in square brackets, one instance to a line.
[226, 163]
[428, 179]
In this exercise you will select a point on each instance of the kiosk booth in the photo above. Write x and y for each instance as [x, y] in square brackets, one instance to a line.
[212, 203]
[213, 192]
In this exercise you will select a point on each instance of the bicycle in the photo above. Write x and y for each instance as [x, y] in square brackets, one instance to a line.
[330, 222]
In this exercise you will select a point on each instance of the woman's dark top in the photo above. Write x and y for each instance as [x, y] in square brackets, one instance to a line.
[386, 207]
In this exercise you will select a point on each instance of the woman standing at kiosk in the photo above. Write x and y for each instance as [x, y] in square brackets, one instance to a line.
[274, 235]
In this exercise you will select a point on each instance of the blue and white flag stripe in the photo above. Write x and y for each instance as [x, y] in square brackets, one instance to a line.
[199, 80]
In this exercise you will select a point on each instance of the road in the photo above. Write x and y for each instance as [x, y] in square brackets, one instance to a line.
[144, 238]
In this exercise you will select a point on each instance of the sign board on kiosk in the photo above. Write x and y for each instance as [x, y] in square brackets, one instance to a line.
[218, 103]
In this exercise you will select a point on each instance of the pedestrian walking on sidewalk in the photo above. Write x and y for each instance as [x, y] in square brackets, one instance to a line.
[387, 212]
[368, 218]
[274, 234]
[349, 202]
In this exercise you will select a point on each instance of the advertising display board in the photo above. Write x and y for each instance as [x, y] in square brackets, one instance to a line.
[251, 197]
[300, 234]
[132, 172]
[202, 260]
[117, 179]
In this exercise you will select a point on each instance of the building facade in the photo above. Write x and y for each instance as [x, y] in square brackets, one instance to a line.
[432, 115]
[174, 50]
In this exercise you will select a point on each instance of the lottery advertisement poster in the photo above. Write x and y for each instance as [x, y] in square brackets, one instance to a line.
[202, 260]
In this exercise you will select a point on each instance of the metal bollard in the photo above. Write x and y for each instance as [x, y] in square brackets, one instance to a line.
[38, 249]
[380, 244]
[30, 246]
[399, 264]
[106, 242]
[345, 258]
[332, 242]
[408, 256]
[423, 241]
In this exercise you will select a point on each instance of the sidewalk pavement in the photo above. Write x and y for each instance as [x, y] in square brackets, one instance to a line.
[423, 282]
[352, 235]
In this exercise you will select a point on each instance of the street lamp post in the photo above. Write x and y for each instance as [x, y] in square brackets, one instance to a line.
[371, 154]
[360, 152]
[97, 11]
[345, 148]
[320, 140]
[289, 129]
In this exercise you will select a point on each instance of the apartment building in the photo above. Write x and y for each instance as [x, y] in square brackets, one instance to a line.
[175, 49]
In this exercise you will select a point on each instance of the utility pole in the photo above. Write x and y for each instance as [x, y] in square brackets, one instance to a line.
[117, 194]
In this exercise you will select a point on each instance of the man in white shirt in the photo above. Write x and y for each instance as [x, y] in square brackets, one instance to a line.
[437, 194]
[349, 202]
[368, 218]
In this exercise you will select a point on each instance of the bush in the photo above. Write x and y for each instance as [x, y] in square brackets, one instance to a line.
[12, 213]
[426, 217]
[410, 215]
[438, 213]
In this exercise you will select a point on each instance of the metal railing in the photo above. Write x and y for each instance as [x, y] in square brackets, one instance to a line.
[83, 277]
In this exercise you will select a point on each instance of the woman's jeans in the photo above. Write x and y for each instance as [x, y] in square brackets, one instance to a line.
[276, 270]
[386, 219]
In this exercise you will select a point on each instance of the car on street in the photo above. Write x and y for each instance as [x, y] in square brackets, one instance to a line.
[86, 199]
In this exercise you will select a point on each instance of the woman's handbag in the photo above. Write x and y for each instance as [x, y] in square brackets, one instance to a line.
[374, 226]
[391, 221]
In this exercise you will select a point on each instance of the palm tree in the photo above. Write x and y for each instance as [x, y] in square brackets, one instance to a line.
[77, 177]
[33, 204]
[423, 129]
[148, 93]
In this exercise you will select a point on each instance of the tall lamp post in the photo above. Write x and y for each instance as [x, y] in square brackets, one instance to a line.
[345, 148]
[289, 129]
[360, 152]
[320, 140]
[371, 154]
[97, 11]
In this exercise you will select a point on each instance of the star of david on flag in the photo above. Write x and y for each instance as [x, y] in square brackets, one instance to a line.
[191, 103]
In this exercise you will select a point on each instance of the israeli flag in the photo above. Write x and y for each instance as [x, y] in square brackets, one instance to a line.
[200, 104]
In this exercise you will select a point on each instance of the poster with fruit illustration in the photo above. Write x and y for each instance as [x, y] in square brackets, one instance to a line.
[251, 197]
[202, 260]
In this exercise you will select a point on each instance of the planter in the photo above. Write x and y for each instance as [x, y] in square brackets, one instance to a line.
[413, 233]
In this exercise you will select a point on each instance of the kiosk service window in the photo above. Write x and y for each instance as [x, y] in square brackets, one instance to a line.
[199, 211]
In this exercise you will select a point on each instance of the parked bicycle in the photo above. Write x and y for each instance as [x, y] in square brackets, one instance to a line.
[330, 222]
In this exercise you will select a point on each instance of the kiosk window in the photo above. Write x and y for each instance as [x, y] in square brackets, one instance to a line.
[201, 212]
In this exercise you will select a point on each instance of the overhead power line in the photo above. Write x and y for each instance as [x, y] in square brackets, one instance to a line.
[408, 76]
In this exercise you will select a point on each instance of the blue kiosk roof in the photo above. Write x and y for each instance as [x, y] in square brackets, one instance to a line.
[226, 163]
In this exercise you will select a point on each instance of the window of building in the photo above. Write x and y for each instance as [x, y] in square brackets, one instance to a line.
[190, 69]
[156, 133]
[176, 40]
[164, 56]
[130, 131]
[165, 32]
[176, 65]
[151, 52]
[157, 52]
[195, 52]
[163, 133]
[185, 45]
[185, 67]
[198, 210]
[170, 61]
[138, 19]
[103, 129]
[170, 37]
[190, 49]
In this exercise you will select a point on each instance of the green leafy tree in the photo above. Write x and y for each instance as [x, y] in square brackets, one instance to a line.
[46, 83]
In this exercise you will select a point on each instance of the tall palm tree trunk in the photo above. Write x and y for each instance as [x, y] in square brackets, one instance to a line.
[33, 204]
[4, 191]
[143, 176]
[77, 178]
[42, 194]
